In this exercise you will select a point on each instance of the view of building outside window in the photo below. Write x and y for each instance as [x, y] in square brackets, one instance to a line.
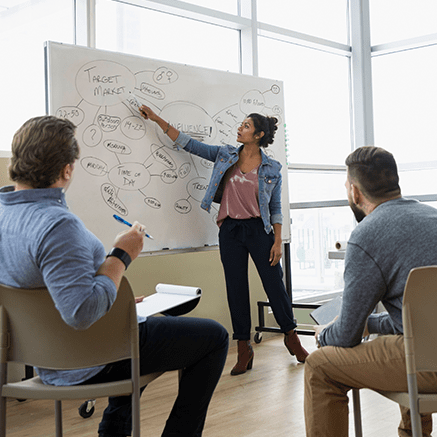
[315, 232]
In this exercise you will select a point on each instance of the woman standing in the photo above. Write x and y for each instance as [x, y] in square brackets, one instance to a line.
[247, 184]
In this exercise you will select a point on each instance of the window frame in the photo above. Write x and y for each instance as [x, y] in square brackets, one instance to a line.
[251, 29]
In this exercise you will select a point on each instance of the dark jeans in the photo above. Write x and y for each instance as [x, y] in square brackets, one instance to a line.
[199, 346]
[238, 239]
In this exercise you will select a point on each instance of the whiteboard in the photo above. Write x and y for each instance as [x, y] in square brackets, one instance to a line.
[127, 166]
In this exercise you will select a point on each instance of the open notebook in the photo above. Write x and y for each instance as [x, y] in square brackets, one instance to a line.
[173, 300]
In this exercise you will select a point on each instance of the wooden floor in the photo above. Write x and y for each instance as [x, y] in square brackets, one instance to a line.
[265, 402]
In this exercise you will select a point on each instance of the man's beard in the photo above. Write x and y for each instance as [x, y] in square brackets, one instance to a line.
[358, 213]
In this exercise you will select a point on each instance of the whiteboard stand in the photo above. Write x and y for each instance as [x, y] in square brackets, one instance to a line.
[265, 304]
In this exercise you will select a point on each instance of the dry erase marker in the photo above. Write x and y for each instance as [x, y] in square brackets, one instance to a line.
[119, 219]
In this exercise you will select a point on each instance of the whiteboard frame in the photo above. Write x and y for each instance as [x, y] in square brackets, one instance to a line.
[50, 108]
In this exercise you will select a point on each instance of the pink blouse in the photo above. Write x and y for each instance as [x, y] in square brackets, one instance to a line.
[240, 196]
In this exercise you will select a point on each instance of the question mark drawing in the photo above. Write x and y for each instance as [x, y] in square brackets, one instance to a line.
[92, 135]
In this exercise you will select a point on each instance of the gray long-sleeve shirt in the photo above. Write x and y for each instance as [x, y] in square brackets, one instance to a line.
[397, 236]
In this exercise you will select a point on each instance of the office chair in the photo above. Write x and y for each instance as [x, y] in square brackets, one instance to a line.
[32, 332]
[420, 323]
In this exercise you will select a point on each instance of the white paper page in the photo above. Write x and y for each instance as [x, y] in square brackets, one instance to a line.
[167, 297]
[178, 289]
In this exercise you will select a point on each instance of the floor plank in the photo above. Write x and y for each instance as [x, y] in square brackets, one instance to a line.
[265, 401]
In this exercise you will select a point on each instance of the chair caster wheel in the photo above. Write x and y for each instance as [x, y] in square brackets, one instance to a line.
[87, 409]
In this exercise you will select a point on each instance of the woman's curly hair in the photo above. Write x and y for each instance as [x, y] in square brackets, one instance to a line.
[265, 124]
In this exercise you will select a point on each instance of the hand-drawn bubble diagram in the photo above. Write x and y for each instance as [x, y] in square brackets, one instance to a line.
[134, 156]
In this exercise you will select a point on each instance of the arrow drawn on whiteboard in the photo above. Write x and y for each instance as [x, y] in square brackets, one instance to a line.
[194, 165]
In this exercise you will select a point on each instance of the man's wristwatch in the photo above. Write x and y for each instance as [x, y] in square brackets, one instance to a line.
[121, 255]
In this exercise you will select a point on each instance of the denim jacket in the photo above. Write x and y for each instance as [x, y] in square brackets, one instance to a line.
[269, 177]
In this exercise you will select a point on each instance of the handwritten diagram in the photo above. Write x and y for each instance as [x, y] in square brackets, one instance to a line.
[127, 164]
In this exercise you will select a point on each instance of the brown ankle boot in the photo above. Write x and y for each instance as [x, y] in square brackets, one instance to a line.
[292, 343]
[245, 358]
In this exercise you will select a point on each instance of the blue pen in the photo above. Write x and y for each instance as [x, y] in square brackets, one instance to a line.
[119, 219]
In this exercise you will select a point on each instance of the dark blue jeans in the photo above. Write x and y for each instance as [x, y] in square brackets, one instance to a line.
[199, 346]
[238, 239]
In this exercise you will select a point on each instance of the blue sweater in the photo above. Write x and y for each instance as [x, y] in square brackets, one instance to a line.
[397, 236]
[43, 244]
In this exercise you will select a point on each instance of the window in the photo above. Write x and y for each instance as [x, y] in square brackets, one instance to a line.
[316, 185]
[318, 129]
[24, 27]
[405, 104]
[229, 6]
[305, 44]
[395, 20]
[419, 181]
[158, 35]
[314, 234]
[316, 17]
[316, 93]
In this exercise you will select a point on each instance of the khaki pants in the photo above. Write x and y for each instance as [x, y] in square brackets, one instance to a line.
[330, 372]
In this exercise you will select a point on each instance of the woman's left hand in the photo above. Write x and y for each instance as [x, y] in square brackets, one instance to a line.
[275, 253]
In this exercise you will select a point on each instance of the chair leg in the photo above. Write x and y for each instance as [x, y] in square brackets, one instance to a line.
[416, 422]
[58, 418]
[357, 412]
[135, 363]
[2, 417]
[3, 373]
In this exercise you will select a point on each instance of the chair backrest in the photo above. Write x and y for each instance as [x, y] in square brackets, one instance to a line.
[419, 317]
[37, 335]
